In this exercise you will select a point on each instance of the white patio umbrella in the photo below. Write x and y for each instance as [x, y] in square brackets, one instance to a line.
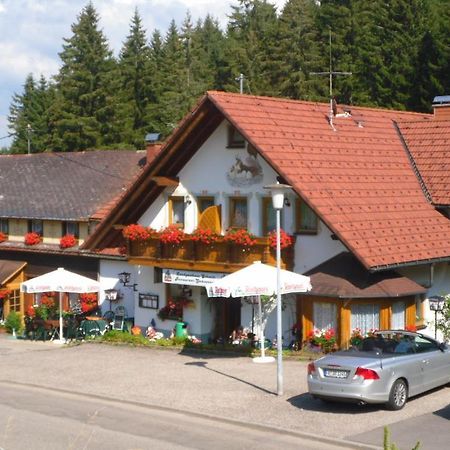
[255, 280]
[60, 280]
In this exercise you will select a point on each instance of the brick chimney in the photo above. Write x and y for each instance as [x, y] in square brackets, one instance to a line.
[441, 107]
[153, 145]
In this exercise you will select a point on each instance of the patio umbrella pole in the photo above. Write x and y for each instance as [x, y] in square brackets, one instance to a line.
[60, 318]
[261, 330]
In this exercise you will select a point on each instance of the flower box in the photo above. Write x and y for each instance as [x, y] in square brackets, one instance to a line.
[183, 250]
[215, 252]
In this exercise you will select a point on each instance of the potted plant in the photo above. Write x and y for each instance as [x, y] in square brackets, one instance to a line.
[67, 241]
[204, 236]
[137, 232]
[239, 236]
[286, 240]
[13, 322]
[32, 238]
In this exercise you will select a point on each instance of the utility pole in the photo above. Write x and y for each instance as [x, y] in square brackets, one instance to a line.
[29, 130]
[331, 73]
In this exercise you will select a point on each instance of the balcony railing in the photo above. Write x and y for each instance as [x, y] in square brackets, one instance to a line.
[194, 255]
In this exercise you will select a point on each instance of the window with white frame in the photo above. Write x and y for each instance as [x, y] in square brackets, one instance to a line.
[176, 211]
[325, 315]
[365, 316]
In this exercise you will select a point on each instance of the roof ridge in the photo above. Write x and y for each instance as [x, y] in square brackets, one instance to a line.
[322, 103]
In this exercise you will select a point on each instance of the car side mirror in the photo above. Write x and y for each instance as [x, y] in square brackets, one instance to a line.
[442, 346]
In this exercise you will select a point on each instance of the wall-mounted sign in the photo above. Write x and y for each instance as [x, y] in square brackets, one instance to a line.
[190, 278]
[149, 301]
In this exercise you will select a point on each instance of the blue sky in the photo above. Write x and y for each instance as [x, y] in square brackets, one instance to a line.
[32, 33]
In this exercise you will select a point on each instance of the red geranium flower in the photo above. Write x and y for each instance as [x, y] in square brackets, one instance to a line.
[67, 241]
[32, 238]
[172, 235]
[240, 237]
[286, 240]
[137, 232]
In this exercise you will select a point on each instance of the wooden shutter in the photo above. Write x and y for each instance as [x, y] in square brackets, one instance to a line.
[210, 219]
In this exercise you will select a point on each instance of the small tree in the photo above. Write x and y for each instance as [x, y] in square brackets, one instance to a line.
[443, 322]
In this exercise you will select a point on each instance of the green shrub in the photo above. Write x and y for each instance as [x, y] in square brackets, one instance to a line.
[127, 338]
[13, 322]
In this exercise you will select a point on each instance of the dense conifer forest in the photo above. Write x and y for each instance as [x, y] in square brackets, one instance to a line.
[398, 52]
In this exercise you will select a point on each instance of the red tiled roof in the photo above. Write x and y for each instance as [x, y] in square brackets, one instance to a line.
[429, 145]
[358, 179]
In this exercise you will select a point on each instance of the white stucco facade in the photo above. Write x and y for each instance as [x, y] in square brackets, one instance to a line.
[210, 173]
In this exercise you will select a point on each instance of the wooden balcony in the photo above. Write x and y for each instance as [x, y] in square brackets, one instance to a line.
[220, 256]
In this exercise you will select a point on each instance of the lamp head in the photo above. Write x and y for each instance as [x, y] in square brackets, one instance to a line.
[277, 191]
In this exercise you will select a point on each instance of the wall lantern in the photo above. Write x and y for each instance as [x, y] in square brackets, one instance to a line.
[124, 278]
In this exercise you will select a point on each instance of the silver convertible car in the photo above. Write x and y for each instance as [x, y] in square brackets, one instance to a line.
[388, 367]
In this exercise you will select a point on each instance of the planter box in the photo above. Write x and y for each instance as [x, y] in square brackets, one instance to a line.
[216, 252]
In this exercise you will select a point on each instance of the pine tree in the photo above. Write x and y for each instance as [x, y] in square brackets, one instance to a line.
[134, 84]
[251, 46]
[336, 16]
[298, 51]
[85, 88]
[172, 101]
[29, 116]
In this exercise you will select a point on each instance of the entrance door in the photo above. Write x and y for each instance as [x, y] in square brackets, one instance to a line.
[227, 317]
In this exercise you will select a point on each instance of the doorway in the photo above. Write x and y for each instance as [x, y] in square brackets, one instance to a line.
[227, 317]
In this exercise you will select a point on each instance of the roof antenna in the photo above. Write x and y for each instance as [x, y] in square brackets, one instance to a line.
[241, 78]
[331, 73]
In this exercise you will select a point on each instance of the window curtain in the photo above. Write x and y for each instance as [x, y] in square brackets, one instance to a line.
[398, 316]
[365, 317]
[325, 315]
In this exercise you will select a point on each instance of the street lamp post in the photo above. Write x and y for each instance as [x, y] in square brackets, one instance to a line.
[436, 303]
[277, 191]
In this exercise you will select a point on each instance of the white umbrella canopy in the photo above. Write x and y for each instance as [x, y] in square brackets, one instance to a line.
[258, 279]
[60, 280]
[255, 280]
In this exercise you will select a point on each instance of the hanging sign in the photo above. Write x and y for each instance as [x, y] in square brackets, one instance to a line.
[190, 278]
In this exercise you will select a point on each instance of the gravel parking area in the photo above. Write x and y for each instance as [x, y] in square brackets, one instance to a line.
[231, 387]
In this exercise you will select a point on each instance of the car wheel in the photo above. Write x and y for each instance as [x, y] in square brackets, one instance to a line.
[398, 395]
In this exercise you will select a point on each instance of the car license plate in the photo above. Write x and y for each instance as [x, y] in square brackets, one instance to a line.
[335, 373]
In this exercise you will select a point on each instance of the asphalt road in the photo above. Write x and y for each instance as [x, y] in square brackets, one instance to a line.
[45, 419]
[222, 389]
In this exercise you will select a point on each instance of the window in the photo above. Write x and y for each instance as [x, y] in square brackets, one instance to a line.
[204, 203]
[36, 226]
[4, 226]
[398, 316]
[305, 218]
[423, 345]
[71, 228]
[269, 218]
[176, 211]
[235, 139]
[238, 212]
[365, 317]
[14, 300]
[420, 313]
[325, 315]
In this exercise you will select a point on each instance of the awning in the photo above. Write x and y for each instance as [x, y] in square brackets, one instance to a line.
[343, 276]
[8, 269]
